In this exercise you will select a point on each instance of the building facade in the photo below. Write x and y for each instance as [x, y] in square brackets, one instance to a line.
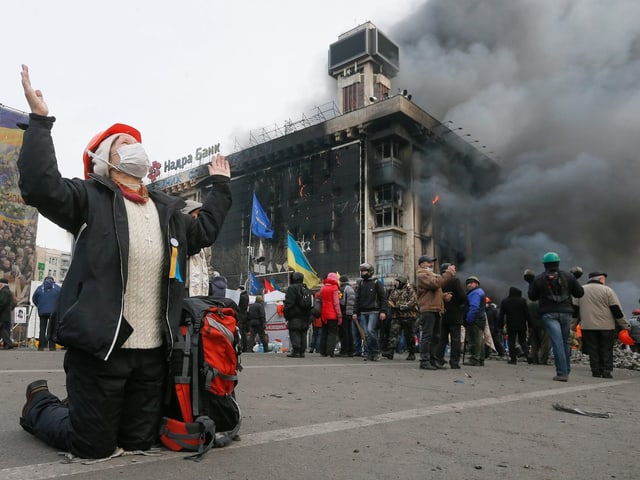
[380, 181]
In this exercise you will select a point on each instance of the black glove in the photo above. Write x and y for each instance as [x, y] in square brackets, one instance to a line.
[576, 271]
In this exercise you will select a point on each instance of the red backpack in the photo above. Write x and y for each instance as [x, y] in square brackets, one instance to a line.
[204, 365]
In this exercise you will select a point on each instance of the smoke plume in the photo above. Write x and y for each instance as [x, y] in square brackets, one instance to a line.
[552, 89]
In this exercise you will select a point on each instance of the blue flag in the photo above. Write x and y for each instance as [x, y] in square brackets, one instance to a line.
[255, 287]
[260, 224]
[273, 282]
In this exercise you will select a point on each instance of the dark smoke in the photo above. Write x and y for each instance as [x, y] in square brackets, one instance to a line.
[552, 88]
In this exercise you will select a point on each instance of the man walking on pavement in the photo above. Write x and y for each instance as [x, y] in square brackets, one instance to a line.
[431, 303]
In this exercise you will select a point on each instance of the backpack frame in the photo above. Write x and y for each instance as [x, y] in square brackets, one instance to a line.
[204, 366]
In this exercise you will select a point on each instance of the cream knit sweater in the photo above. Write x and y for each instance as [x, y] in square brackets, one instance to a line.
[142, 307]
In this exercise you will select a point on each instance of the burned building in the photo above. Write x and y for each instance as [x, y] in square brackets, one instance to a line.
[364, 179]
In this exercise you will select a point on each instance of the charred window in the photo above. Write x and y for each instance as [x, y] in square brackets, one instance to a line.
[387, 150]
[387, 203]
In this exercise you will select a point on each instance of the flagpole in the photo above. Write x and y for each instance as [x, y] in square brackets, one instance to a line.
[249, 254]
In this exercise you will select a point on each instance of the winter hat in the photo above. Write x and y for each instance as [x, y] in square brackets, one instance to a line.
[597, 274]
[426, 258]
[103, 151]
[191, 206]
[219, 287]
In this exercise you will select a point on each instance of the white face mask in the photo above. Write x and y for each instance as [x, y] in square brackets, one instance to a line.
[133, 160]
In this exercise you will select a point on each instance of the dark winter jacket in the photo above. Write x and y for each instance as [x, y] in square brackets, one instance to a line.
[89, 315]
[456, 308]
[6, 299]
[514, 311]
[370, 296]
[293, 310]
[243, 304]
[538, 290]
[256, 314]
[46, 297]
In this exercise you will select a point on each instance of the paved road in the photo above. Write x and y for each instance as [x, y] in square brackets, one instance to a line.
[340, 418]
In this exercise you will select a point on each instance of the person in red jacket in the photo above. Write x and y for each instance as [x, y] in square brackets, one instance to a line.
[331, 313]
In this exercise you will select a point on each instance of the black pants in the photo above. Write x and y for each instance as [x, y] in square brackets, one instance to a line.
[244, 328]
[345, 331]
[298, 328]
[453, 331]
[117, 403]
[599, 345]
[43, 339]
[329, 338]
[257, 329]
[5, 334]
[521, 337]
[430, 323]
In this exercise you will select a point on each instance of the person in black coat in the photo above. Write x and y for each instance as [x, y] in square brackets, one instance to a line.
[258, 322]
[514, 311]
[243, 325]
[6, 299]
[456, 305]
[297, 315]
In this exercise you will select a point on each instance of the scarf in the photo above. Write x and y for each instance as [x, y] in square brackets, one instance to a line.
[136, 195]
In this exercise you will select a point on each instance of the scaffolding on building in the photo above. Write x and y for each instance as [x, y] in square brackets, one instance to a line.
[318, 114]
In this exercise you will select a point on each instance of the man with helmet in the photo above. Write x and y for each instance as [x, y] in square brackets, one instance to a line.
[403, 306]
[455, 308]
[553, 289]
[120, 306]
[431, 303]
[369, 306]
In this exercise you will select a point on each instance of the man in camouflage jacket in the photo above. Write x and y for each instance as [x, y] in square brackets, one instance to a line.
[403, 304]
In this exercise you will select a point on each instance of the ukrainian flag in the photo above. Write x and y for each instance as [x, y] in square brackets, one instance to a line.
[299, 263]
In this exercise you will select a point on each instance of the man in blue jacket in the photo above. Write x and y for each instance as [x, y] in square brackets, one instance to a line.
[45, 298]
[474, 322]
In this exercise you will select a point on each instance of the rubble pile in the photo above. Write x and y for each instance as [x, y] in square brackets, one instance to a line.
[623, 357]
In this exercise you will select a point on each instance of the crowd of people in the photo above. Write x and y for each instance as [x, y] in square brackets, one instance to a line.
[441, 319]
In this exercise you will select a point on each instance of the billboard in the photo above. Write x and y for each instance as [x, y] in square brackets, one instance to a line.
[18, 221]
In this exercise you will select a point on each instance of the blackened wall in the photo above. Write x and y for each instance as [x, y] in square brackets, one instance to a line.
[313, 196]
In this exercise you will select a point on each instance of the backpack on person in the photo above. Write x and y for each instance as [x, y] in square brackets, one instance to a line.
[556, 287]
[204, 365]
[306, 298]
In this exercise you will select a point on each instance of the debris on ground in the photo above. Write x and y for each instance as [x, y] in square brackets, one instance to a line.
[579, 411]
